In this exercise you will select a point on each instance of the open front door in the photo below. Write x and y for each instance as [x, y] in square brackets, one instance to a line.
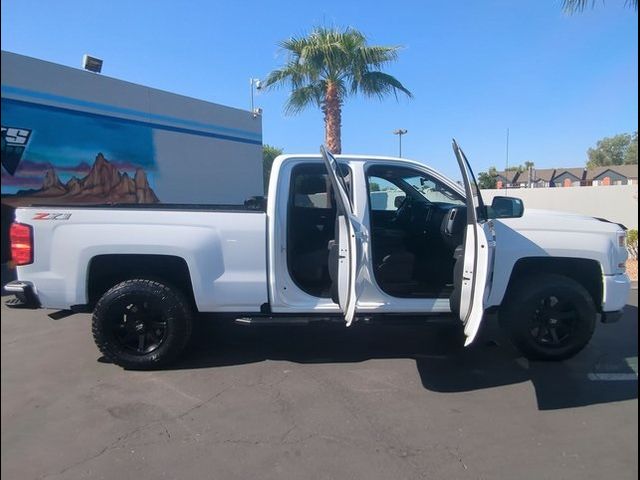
[344, 252]
[472, 265]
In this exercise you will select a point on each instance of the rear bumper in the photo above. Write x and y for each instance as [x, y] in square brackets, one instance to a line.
[25, 295]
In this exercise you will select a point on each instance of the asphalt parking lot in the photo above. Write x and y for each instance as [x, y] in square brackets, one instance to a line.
[317, 403]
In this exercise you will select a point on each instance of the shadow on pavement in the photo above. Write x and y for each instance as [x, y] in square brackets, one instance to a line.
[573, 383]
[442, 363]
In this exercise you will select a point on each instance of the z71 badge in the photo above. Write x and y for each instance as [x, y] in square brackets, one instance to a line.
[51, 216]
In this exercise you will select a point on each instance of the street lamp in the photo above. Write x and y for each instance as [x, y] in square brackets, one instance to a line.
[400, 132]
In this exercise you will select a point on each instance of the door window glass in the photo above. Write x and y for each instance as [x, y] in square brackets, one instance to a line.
[383, 194]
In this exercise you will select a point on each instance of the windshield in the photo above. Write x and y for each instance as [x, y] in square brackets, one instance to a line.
[433, 190]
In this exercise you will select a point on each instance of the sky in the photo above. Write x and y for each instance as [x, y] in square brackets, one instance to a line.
[557, 82]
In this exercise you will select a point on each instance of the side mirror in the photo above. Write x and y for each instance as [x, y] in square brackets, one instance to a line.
[398, 200]
[506, 207]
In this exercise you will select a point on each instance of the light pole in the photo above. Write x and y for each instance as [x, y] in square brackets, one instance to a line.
[400, 132]
[254, 82]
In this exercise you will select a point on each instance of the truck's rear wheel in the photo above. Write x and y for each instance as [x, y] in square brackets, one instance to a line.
[142, 324]
[549, 317]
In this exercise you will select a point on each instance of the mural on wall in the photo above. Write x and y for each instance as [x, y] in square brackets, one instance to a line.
[59, 156]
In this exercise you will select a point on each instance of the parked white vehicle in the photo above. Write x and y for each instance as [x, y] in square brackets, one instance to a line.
[326, 247]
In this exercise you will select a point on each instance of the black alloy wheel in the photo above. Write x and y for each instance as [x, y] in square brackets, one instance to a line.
[549, 316]
[138, 325]
[553, 322]
[142, 324]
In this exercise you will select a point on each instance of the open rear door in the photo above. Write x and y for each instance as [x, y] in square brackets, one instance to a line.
[472, 265]
[344, 253]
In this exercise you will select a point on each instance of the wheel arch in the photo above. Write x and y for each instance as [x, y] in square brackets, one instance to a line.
[587, 272]
[105, 271]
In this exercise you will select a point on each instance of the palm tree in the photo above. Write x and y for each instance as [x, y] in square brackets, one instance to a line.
[328, 65]
[573, 6]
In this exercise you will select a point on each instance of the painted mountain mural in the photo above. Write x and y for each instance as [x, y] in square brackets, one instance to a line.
[50, 156]
[104, 183]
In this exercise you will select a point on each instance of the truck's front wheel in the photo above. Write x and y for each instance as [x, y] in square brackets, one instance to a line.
[549, 317]
[142, 324]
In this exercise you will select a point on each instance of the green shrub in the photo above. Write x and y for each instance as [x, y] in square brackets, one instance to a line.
[632, 243]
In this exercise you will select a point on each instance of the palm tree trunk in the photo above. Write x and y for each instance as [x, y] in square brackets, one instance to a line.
[332, 109]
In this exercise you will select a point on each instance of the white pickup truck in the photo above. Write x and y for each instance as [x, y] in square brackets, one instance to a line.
[351, 238]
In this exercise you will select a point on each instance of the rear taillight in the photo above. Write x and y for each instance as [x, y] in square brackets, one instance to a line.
[21, 243]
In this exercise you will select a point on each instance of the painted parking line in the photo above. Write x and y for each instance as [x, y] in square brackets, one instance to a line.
[633, 363]
[613, 377]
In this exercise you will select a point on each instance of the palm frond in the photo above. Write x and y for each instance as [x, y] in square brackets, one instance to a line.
[301, 98]
[577, 6]
[574, 6]
[290, 74]
[380, 84]
[377, 56]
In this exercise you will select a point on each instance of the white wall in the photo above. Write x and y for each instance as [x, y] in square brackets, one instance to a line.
[618, 203]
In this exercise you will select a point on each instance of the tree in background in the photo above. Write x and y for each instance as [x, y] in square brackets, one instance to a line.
[574, 6]
[489, 179]
[528, 167]
[631, 155]
[632, 243]
[520, 168]
[269, 154]
[328, 65]
[620, 149]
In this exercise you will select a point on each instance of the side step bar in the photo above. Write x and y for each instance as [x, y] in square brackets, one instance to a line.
[284, 320]
[388, 319]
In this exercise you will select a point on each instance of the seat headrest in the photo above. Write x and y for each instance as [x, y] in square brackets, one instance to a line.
[310, 184]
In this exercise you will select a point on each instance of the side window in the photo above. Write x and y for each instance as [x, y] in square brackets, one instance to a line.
[384, 195]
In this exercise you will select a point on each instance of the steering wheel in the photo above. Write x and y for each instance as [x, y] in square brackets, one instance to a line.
[404, 213]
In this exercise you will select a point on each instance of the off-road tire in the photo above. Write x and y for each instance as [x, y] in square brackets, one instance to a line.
[169, 311]
[522, 313]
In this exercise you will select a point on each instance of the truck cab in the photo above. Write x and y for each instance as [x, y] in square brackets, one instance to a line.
[342, 238]
[368, 235]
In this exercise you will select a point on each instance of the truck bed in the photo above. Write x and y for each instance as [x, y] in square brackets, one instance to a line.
[259, 206]
[223, 247]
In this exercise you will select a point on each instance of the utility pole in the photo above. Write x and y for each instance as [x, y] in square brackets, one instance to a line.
[254, 82]
[400, 132]
[506, 170]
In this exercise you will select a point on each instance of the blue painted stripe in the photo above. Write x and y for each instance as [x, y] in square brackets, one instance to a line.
[8, 89]
[157, 126]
